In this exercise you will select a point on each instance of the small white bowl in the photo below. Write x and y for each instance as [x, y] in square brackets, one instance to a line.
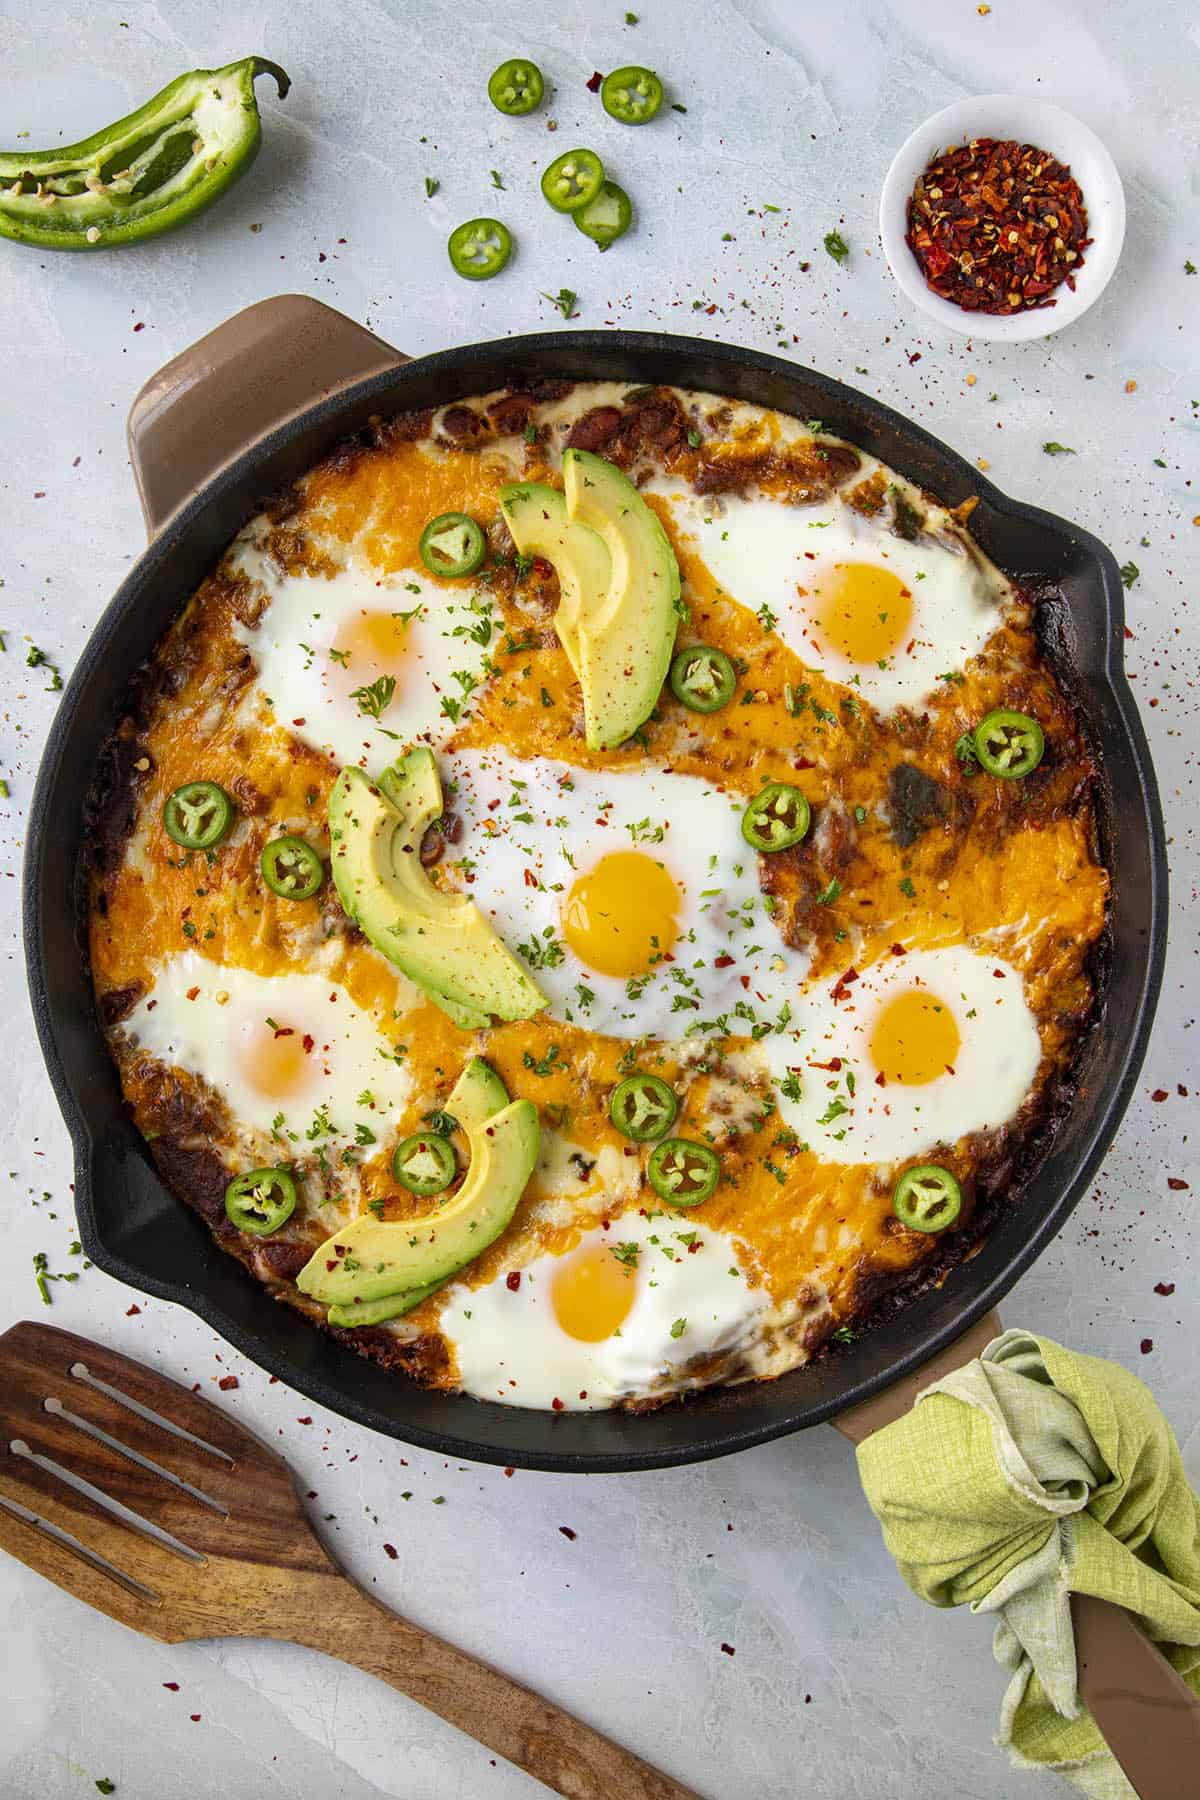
[1030, 122]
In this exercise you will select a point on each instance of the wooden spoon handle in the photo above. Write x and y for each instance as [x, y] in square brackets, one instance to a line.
[569, 1757]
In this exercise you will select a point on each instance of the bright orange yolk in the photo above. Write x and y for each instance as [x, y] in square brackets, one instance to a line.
[368, 645]
[591, 1293]
[274, 1064]
[864, 611]
[915, 1038]
[620, 916]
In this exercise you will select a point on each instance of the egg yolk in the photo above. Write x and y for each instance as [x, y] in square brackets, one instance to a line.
[368, 645]
[592, 1293]
[915, 1038]
[272, 1059]
[864, 611]
[620, 916]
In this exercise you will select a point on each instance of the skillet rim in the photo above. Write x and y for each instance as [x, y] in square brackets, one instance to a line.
[709, 1430]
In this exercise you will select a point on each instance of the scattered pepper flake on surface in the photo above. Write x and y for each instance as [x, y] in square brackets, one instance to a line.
[1165, 1288]
[729, 1649]
[568, 1533]
[391, 1551]
[594, 82]
[227, 1383]
[995, 226]
[1147, 1346]
[1131, 387]
[1177, 1184]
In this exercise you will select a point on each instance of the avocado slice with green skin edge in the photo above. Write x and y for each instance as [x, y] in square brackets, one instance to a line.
[375, 1260]
[441, 941]
[537, 517]
[374, 1312]
[619, 632]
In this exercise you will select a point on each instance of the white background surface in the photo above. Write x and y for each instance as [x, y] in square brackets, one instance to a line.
[796, 105]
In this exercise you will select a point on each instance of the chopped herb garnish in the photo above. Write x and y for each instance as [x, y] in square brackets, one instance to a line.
[372, 700]
[627, 1254]
[1053, 449]
[431, 187]
[37, 659]
[1129, 573]
[678, 1328]
[828, 895]
[837, 246]
[906, 887]
[564, 300]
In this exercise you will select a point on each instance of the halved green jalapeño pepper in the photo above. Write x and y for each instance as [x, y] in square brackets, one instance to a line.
[479, 249]
[1009, 744]
[425, 1163]
[606, 215]
[703, 678]
[261, 1201]
[776, 819]
[683, 1173]
[147, 173]
[632, 95]
[291, 868]
[198, 815]
[573, 179]
[516, 87]
[927, 1198]
[452, 544]
[642, 1107]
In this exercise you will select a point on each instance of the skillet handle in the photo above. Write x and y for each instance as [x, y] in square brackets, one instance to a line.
[1148, 1715]
[248, 376]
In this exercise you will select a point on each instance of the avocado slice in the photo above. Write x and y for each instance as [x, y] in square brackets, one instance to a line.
[537, 517]
[441, 941]
[372, 1261]
[625, 647]
[617, 628]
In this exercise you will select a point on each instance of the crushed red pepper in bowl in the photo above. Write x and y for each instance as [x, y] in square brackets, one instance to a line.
[996, 226]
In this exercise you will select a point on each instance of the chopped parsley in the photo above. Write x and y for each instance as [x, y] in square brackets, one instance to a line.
[564, 300]
[828, 895]
[1053, 449]
[837, 246]
[678, 1328]
[545, 1065]
[906, 887]
[496, 181]
[431, 187]
[1129, 573]
[373, 700]
[546, 954]
[627, 1254]
[790, 1086]
[37, 659]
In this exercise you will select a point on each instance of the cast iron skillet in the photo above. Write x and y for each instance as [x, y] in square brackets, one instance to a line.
[241, 414]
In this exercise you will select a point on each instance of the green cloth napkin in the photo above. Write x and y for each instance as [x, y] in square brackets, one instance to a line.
[1030, 1473]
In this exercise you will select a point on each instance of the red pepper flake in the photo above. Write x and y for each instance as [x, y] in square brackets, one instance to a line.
[996, 226]
[729, 1649]
[1147, 1346]
[227, 1383]
[723, 962]
[131, 1312]
[510, 1473]
[899, 950]
[1165, 1288]
[832, 1067]
[304, 1421]
[172, 1685]
[593, 85]
[195, 1717]
[309, 1043]
[557, 1405]
[391, 1550]
[998, 975]
[530, 878]
[299, 721]
[1159, 1095]
[568, 1533]
[1176, 1185]
[1181, 1090]
[512, 1280]
[841, 986]
[139, 326]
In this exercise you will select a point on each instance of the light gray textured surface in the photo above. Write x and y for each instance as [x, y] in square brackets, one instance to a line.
[796, 105]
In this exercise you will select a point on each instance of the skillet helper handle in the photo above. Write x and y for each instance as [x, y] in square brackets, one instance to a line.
[1149, 1717]
[558, 1750]
[251, 374]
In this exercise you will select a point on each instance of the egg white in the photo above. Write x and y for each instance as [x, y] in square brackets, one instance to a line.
[206, 1017]
[845, 1116]
[760, 550]
[310, 685]
[692, 1299]
[532, 827]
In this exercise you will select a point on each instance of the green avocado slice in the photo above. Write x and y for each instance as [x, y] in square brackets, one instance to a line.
[441, 941]
[372, 1261]
[620, 587]
[537, 517]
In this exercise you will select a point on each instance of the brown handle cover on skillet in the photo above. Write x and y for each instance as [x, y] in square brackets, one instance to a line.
[1149, 1716]
[252, 373]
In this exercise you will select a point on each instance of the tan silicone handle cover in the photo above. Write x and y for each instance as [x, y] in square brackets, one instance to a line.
[252, 373]
[1149, 1716]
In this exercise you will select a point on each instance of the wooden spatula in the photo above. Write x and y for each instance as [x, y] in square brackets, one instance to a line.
[1148, 1714]
[156, 1508]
